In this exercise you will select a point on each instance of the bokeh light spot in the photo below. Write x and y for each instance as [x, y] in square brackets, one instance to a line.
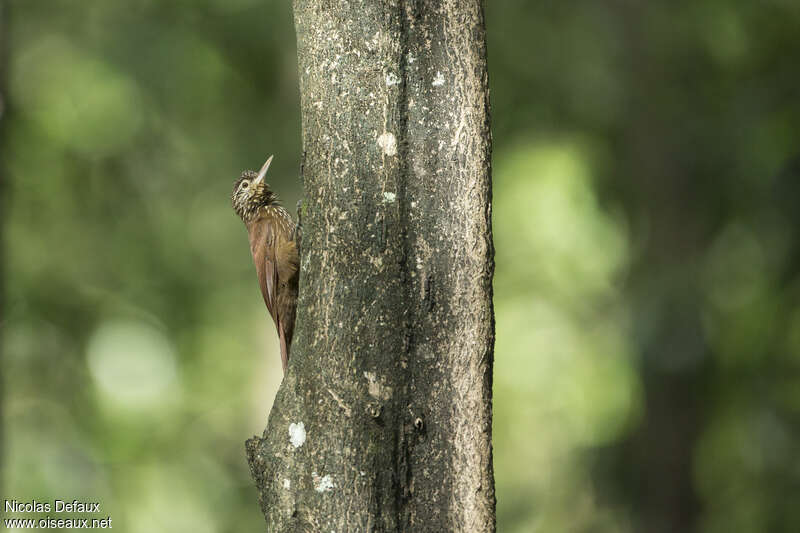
[79, 100]
[132, 363]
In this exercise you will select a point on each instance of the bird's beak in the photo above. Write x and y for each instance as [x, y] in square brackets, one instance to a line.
[263, 171]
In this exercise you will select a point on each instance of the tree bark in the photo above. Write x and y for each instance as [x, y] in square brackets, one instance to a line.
[383, 422]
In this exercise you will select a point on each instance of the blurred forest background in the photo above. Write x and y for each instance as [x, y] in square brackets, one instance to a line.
[646, 211]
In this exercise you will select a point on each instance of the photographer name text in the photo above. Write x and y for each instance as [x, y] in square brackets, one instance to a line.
[54, 506]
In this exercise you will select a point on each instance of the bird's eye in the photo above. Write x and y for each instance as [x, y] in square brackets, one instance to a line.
[245, 184]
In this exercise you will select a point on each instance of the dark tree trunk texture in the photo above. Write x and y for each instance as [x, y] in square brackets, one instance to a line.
[383, 422]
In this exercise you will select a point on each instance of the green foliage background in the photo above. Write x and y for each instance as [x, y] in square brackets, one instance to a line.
[646, 167]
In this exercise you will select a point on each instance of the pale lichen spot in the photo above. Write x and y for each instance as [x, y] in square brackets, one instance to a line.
[287, 484]
[438, 81]
[376, 387]
[389, 197]
[297, 434]
[388, 143]
[392, 79]
[322, 483]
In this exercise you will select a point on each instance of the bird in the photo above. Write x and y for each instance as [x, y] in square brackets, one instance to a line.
[273, 245]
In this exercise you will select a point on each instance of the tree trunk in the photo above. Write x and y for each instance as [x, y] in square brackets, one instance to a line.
[383, 422]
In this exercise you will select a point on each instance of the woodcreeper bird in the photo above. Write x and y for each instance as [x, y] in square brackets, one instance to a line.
[273, 244]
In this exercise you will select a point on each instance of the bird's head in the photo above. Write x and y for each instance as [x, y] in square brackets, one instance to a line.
[251, 192]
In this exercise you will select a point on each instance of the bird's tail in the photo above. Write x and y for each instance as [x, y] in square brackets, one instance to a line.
[284, 349]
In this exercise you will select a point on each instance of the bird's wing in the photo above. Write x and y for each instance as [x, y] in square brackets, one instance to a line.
[262, 245]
